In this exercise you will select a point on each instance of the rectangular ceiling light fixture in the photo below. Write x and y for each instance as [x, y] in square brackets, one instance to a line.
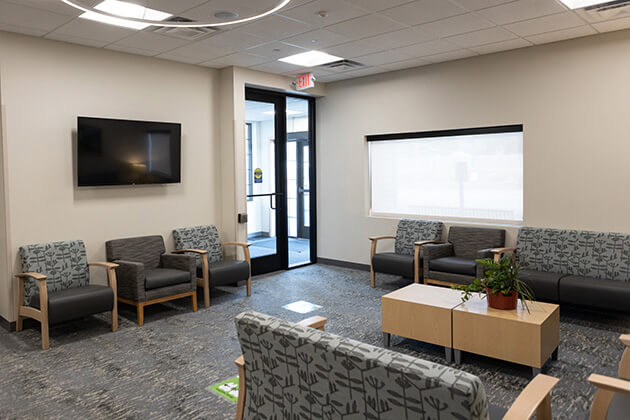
[578, 4]
[125, 9]
[310, 59]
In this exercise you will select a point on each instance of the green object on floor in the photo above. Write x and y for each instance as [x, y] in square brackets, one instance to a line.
[227, 389]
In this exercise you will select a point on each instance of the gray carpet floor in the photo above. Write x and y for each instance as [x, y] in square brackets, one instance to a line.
[162, 370]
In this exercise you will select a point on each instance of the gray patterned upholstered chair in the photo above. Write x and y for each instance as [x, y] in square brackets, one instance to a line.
[292, 371]
[612, 399]
[54, 286]
[148, 275]
[406, 260]
[455, 262]
[212, 269]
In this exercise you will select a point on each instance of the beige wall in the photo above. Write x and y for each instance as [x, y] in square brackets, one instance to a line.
[571, 97]
[45, 85]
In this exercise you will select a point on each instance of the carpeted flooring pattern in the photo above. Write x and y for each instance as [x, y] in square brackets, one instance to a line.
[162, 370]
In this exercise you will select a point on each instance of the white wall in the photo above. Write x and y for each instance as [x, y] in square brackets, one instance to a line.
[45, 85]
[571, 97]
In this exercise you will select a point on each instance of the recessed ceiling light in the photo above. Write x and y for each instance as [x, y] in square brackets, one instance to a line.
[124, 9]
[578, 4]
[114, 17]
[226, 15]
[310, 59]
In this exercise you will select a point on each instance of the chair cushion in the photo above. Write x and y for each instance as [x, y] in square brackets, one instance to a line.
[78, 302]
[619, 407]
[226, 272]
[392, 263]
[162, 277]
[410, 231]
[543, 284]
[454, 265]
[144, 249]
[467, 241]
[597, 293]
[200, 237]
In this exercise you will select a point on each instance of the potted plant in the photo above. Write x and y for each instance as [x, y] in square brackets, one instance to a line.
[501, 285]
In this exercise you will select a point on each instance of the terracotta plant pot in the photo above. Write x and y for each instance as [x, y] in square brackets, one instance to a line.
[499, 301]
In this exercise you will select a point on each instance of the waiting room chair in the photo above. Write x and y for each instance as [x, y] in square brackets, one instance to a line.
[455, 262]
[406, 260]
[212, 269]
[612, 399]
[301, 370]
[54, 286]
[148, 275]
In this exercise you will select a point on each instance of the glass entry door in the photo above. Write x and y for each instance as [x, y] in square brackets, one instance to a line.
[279, 178]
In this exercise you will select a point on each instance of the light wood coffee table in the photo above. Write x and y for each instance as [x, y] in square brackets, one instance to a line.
[422, 313]
[518, 336]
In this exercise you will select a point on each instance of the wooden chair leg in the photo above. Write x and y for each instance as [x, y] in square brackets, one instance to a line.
[249, 286]
[206, 293]
[140, 308]
[45, 335]
[543, 412]
[242, 389]
[20, 302]
[372, 278]
[194, 301]
[115, 317]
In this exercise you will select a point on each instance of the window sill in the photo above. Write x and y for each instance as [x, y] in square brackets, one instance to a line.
[449, 220]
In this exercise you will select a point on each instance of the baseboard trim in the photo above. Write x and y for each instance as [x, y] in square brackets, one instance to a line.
[6, 324]
[344, 264]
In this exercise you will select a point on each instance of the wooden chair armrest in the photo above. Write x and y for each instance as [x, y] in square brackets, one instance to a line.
[108, 265]
[240, 362]
[196, 251]
[610, 384]
[625, 339]
[531, 398]
[420, 243]
[317, 322]
[241, 244]
[501, 251]
[35, 276]
[378, 238]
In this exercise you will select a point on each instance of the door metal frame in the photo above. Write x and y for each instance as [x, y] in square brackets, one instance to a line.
[280, 260]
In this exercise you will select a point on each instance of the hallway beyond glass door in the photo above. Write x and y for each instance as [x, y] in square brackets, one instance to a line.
[279, 175]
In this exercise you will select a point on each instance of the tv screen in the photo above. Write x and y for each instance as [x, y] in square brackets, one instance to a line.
[122, 152]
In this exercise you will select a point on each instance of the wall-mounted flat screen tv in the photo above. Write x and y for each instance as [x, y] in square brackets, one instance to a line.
[122, 152]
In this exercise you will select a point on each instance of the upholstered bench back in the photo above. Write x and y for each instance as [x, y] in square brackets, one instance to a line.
[573, 252]
[414, 230]
[299, 372]
[63, 263]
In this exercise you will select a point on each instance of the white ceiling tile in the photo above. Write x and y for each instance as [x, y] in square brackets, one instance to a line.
[277, 67]
[457, 25]
[480, 4]
[547, 23]
[21, 30]
[201, 50]
[450, 56]
[244, 9]
[76, 40]
[428, 48]
[314, 40]
[522, 10]
[88, 29]
[170, 6]
[179, 58]
[237, 59]
[235, 40]
[400, 38]
[30, 17]
[335, 10]
[612, 25]
[276, 27]
[502, 46]
[406, 64]
[378, 5]
[276, 50]
[50, 5]
[131, 50]
[424, 11]
[486, 36]
[562, 35]
[365, 26]
[150, 41]
[352, 49]
[382, 58]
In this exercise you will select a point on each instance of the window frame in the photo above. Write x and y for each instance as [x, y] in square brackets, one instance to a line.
[512, 128]
[249, 153]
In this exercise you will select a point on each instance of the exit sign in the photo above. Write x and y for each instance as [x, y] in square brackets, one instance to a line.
[305, 81]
